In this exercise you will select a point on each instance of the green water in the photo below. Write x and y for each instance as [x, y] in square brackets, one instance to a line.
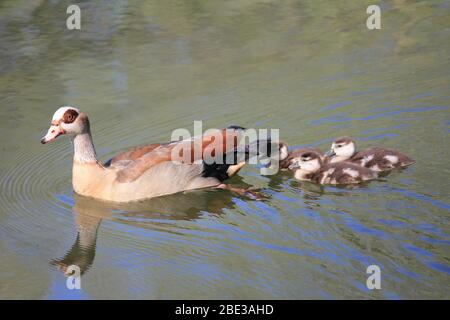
[141, 69]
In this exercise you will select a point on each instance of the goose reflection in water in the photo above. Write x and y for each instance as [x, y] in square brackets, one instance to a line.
[149, 214]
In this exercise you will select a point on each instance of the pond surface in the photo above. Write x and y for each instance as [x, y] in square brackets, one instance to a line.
[311, 69]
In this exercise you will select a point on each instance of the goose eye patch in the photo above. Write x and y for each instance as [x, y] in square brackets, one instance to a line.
[69, 116]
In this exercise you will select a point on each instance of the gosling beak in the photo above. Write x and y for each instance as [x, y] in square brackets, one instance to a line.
[294, 165]
[266, 165]
[52, 134]
[330, 153]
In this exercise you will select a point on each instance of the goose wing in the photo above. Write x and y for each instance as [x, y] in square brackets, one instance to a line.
[126, 157]
[183, 151]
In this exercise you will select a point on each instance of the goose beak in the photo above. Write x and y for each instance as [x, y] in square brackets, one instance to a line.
[53, 132]
[330, 153]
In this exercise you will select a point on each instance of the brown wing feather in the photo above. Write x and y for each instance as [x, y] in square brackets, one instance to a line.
[146, 157]
[136, 168]
[378, 158]
[134, 153]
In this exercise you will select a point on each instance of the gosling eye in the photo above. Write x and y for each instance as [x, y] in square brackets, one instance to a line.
[306, 157]
[339, 145]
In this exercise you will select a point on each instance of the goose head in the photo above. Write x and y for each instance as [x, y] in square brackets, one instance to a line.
[66, 120]
[342, 148]
[307, 162]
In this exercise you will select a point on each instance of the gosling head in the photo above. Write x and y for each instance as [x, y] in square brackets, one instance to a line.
[283, 150]
[342, 148]
[278, 158]
[306, 163]
[66, 120]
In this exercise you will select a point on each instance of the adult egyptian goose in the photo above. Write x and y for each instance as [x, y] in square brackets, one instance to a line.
[147, 171]
[376, 159]
[308, 166]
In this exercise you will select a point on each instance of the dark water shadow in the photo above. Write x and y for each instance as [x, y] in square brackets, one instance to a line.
[313, 190]
[150, 214]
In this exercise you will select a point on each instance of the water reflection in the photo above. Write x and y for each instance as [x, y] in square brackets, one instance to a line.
[309, 190]
[88, 217]
[152, 214]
